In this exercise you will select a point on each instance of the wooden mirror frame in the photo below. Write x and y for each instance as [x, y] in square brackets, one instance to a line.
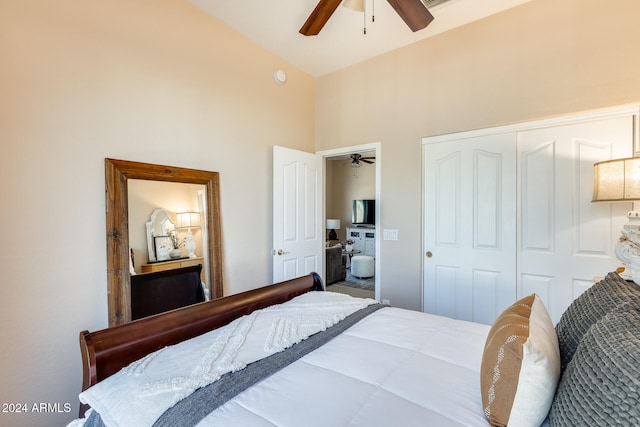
[117, 173]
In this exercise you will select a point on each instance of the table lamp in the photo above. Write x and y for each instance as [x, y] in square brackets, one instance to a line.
[619, 181]
[189, 220]
[332, 225]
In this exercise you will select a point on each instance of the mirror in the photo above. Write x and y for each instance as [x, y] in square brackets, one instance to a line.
[159, 225]
[117, 173]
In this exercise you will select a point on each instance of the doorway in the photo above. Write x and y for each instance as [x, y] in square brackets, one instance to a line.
[353, 173]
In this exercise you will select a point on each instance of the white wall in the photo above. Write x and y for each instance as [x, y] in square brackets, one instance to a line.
[158, 82]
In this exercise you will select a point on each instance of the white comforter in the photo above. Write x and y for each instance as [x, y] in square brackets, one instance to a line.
[395, 367]
[138, 394]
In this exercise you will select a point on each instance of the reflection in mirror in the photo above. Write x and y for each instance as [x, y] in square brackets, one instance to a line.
[119, 174]
[187, 221]
[161, 226]
[184, 235]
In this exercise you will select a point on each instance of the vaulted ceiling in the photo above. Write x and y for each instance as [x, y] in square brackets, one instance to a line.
[274, 24]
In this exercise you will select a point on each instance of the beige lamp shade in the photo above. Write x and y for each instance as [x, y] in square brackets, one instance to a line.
[617, 180]
[188, 219]
[357, 5]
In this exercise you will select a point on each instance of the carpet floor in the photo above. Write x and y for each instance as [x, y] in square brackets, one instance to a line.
[349, 290]
[361, 288]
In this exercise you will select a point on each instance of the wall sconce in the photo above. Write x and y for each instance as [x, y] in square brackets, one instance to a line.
[189, 220]
[332, 225]
[619, 181]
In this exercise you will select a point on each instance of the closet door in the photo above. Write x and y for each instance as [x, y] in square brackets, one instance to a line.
[564, 239]
[469, 227]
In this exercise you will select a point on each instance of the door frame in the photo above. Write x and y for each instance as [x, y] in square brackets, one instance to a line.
[376, 147]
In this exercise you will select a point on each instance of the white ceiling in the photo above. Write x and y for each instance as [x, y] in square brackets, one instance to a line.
[274, 24]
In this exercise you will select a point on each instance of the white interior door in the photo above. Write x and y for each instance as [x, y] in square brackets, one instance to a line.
[565, 240]
[470, 224]
[298, 240]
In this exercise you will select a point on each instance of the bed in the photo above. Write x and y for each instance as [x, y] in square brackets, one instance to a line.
[291, 354]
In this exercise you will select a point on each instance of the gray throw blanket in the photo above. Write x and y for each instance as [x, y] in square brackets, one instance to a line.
[192, 409]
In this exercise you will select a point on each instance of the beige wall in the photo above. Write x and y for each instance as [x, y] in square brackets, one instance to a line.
[542, 59]
[155, 81]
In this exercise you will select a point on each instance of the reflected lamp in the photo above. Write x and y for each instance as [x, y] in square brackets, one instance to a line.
[332, 225]
[189, 220]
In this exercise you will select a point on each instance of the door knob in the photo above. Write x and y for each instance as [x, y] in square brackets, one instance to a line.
[281, 252]
[429, 254]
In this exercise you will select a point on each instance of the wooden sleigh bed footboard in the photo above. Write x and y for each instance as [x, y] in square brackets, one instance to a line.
[106, 351]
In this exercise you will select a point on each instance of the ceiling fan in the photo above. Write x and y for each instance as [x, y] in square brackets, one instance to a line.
[413, 12]
[356, 160]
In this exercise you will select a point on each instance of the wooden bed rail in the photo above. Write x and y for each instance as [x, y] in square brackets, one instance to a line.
[106, 351]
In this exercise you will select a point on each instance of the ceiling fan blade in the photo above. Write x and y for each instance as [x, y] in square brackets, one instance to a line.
[319, 17]
[413, 12]
[369, 162]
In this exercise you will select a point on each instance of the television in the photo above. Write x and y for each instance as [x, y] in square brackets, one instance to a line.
[363, 212]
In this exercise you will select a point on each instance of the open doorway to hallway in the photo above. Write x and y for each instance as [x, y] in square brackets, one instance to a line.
[352, 211]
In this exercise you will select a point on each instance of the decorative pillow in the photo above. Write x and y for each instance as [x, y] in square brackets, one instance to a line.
[601, 385]
[591, 306]
[520, 365]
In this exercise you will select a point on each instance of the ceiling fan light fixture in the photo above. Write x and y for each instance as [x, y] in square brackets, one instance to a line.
[414, 13]
[357, 5]
[432, 3]
[357, 160]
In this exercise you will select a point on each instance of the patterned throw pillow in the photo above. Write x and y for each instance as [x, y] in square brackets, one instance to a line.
[520, 365]
[601, 385]
[590, 307]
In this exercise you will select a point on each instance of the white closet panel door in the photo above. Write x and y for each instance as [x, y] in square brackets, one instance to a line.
[470, 225]
[565, 240]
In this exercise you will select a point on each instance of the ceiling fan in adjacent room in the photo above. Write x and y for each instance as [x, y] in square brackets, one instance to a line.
[413, 12]
[357, 160]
